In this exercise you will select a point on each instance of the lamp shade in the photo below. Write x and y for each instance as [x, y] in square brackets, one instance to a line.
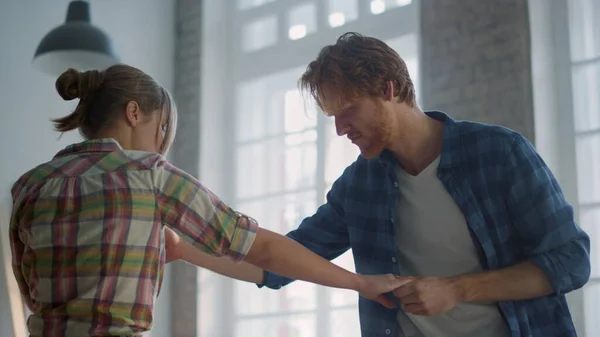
[75, 44]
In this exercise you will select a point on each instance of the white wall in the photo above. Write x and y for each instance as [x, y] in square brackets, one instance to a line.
[143, 32]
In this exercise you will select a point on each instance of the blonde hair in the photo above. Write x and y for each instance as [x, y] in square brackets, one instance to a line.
[103, 94]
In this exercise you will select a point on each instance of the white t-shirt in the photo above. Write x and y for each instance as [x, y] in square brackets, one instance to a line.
[433, 240]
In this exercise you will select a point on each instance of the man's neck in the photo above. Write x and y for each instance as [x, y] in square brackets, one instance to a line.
[420, 144]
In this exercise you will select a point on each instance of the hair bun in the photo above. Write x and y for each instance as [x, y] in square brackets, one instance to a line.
[75, 84]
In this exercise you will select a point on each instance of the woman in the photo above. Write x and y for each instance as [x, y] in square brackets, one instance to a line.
[88, 227]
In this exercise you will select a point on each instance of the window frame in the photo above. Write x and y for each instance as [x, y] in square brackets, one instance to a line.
[550, 61]
[246, 66]
[554, 110]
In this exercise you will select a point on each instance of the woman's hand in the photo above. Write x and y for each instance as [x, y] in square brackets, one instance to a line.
[374, 287]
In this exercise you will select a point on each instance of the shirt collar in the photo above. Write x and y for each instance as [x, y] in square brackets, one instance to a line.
[451, 155]
[93, 145]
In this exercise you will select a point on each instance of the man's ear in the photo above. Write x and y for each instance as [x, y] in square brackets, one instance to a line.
[388, 90]
[133, 114]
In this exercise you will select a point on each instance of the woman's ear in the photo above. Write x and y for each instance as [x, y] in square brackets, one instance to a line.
[133, 114]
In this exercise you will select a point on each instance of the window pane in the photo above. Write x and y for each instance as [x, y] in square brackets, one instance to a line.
[208, 297]
[280, 164]
[584, 22]
[586, 86]
[303, 21]
[272, 105]
[286, 326]
[343, 297]
[590, 222]
[300, 160]
[340, 154]
[345, 323]
[259, 34]
[588, 168]
[327, 189]
[380, 6]
[407, 47]
[250, 300]
[591, 298]
[247, 4]
[298, 113]
[281, 215]
[259, 169]
[342, 12]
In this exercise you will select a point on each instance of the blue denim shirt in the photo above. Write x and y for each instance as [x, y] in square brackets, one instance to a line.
[515, 211]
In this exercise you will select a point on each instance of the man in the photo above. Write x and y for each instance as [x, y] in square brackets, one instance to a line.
[467, 212]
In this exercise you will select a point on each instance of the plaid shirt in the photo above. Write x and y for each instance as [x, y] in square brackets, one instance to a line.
[514, 209]
[87, 236]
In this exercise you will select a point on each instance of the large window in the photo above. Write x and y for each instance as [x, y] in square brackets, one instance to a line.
[584, 24]
[286, 154]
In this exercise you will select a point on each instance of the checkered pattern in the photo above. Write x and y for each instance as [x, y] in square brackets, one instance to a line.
[513, 205]
[87, 236]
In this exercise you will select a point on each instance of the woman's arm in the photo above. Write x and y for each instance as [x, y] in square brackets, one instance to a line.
[284, 256]
[178, 249]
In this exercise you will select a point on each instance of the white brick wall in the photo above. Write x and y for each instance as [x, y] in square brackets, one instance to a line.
[185, 153]
[475, 59]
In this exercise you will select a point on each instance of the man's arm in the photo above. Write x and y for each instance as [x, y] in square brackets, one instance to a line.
[555, 248]
[437, 295]
[544, 222]
[522, 281]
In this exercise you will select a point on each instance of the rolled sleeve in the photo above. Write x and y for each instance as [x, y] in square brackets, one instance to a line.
[242, 238]
[547, 231]
[564, 267]
[199, 216]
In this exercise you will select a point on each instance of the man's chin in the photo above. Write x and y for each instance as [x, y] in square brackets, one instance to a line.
[370, 152]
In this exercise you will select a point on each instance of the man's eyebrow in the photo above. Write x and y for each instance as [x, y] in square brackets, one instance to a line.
[347, 108]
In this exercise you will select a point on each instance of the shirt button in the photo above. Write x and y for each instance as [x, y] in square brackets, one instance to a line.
[388, 331]
[394, 259]
[395, 184]
[392, 219]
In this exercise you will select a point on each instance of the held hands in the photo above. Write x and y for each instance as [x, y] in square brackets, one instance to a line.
[425, 296]
[374, 287]
[428, 296]
[418, 295]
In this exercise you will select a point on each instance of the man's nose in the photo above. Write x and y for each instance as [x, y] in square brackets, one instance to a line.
[341, 128]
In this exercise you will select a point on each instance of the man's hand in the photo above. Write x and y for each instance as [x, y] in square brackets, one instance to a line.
[374, 287]
[428, 295]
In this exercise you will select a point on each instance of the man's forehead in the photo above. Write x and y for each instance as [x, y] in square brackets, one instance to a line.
[336, 103]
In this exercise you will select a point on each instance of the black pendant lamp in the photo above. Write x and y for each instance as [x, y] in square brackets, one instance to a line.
[75, 44]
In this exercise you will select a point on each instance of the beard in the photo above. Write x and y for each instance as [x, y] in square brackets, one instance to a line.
[380, 134]
[371, 150]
